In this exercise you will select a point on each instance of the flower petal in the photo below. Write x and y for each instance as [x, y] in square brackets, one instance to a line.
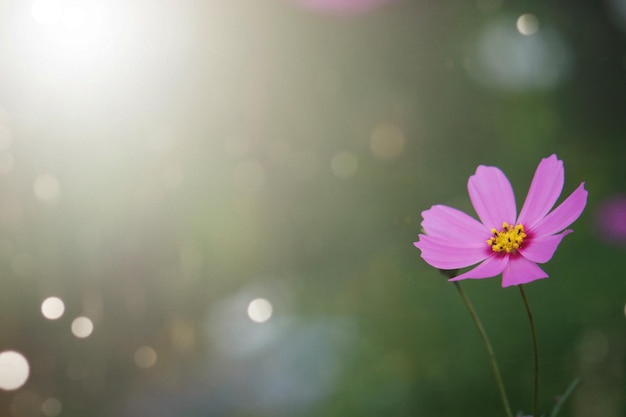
[520, 270]
[490, 267]
[454, 225]
[438, 253]
[542, 248]
[492, 197]
[564, 215]
[544, 190]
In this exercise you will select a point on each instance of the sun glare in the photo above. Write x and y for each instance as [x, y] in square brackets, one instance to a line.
[70, 27]
[74, 18]
[46, 12]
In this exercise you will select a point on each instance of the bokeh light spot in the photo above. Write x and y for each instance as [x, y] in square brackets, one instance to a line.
[82, 327]
[344, 165]
[260, 310]
[14, 370]
[145, 357]
[527, 24]
[387, 141]
[46, 187]
[504, 60]
[51, 407]
[52, 308]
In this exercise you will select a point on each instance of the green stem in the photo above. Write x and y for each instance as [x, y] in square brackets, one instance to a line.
[492, 355]
[563, 398]
[535, 350]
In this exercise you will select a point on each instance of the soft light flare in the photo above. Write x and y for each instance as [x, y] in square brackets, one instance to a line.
[68, 27]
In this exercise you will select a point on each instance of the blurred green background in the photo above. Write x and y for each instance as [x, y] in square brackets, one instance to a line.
[228, 192]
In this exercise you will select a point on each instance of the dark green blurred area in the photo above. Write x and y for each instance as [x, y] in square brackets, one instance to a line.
[214, 152]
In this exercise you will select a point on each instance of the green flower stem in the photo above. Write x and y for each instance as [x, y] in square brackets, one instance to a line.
[563, 398]
[492, 355]
[535, 350]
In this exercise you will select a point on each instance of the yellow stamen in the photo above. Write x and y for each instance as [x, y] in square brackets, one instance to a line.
[508, 239]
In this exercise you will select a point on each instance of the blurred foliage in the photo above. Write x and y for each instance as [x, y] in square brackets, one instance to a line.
[213, 152]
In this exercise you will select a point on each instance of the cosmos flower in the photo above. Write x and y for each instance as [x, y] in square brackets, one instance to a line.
[502, 242]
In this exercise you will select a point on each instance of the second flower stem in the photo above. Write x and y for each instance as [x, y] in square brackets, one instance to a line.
[535, 350]
[492, 355]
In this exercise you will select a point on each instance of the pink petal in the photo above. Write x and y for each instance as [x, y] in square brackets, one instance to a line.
[438, 253]
[541, 249]
[492, 197]
[544, 190]
[453, 224]
[490, 267]
[521, 271]
[564, 215]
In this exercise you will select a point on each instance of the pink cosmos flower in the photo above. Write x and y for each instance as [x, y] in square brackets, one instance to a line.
[502, 242]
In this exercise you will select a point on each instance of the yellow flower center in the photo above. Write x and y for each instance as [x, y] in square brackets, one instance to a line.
[508, 239]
